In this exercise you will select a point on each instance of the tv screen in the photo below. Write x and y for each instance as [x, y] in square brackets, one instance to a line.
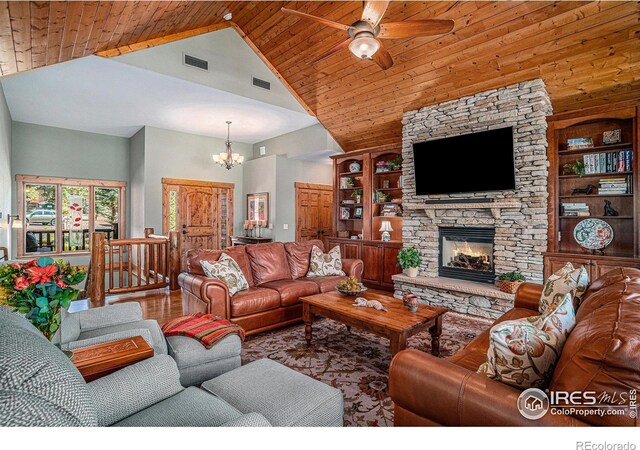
[476, 162]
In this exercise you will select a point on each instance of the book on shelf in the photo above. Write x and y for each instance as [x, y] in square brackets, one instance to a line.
[575, 209]
[609, 162]
[615, 186]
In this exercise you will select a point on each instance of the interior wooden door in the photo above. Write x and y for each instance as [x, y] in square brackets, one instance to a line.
[314, 211]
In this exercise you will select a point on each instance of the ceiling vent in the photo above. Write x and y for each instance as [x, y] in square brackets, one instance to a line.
[263, 84]
[192, 61]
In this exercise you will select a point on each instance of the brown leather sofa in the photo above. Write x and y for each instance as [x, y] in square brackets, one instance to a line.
[602, 354]
[276, 274]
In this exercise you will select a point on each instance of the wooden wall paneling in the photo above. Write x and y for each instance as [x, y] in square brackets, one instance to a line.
[8, 63]
[390, 263]
[84, 28]
[39, 12]
[99, 21]
[21, 26]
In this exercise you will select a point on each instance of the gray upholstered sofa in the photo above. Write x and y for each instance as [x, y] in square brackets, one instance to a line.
[40, 386]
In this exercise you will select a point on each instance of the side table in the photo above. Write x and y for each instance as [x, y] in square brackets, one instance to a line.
[99, 360]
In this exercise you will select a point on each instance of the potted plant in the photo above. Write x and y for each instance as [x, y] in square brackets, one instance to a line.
[357, 195]
[38, 289]
[409, 260]
[510, 282]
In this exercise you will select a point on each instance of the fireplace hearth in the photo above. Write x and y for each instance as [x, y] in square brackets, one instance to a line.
[467, 253]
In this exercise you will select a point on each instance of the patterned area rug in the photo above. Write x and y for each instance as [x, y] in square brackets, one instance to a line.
[356, 362]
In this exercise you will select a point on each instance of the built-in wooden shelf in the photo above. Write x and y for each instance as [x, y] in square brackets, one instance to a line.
[388, 172]
[451, 284]
[353, 174]
[599, 149]
[595, 195]
[596, 217]
[495, 207]
[388, 189]
[596, 175]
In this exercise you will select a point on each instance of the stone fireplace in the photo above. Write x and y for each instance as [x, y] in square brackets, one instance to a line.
[466, 253]
[517, 218]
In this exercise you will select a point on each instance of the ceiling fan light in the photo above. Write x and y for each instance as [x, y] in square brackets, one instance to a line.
[364, 45]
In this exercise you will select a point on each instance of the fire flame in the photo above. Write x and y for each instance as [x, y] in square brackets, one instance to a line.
[467, 250]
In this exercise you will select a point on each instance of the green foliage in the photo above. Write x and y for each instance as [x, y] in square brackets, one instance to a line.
[38, 289]
[511, 276]
[576, 168]
[356, 192]
[106, 204]
[409, 257]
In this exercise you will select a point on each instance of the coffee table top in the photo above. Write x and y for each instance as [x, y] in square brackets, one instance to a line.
[397, 317]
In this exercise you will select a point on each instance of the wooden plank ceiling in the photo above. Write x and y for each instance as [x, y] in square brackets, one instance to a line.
[588, 53]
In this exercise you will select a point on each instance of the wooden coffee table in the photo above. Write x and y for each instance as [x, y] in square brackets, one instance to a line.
[397, 323]
[99, 360]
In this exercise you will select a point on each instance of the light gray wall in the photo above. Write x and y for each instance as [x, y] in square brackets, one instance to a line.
[308, 140]
[277, 175]
[57, 152]
[5, 170]
[260, 176]
[171, 154]
[136, 183]
[228, 56]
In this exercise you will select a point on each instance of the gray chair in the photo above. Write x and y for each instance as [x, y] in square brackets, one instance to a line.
[40, 386]
[110, 323]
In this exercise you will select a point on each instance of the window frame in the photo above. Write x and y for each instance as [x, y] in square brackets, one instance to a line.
[59, 183]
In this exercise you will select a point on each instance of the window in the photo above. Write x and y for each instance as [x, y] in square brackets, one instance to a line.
[59, 214]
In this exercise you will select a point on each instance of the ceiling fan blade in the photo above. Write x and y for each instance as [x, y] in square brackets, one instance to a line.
[327, 22]
[332, 50]
[415, 28]
[373, 11]
[383, 58]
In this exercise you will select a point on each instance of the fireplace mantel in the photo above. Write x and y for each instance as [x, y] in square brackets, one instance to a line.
[495, 207]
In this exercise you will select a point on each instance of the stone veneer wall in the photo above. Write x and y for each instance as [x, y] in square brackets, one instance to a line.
[521, 234]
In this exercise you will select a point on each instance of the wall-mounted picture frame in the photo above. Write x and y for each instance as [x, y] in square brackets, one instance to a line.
[357, 212]
[258, 207]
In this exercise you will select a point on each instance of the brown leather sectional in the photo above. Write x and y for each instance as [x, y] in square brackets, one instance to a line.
[276, 274]
[602, 354]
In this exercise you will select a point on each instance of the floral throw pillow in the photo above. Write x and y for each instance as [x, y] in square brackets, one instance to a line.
[565, 281]
[226, 269]
[524, 352]
[325, 264]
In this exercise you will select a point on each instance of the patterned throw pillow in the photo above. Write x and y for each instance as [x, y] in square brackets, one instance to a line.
[524, 352]
[226, 269]
[565, 281]
[325, 264]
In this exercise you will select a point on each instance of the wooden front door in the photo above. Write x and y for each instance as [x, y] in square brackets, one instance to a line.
[199, 217]
[201, 211]
[314, 211]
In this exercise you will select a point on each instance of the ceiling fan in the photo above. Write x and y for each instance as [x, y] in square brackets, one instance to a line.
[364, 35]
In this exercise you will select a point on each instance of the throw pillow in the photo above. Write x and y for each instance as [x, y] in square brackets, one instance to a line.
[325, 264]
[226, 269]
[565, 281]
[524, 352]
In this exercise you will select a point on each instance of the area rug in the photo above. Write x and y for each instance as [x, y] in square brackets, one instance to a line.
[356, 362]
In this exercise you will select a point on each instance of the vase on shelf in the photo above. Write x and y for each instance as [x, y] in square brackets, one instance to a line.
[411, 272]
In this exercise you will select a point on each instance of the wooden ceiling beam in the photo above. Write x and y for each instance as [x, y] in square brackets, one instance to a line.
[162, 40]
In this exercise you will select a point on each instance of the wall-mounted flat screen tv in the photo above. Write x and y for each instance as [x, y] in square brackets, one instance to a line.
[476, 162]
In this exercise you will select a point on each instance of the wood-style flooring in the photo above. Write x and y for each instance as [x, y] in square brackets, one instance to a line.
[158, 304]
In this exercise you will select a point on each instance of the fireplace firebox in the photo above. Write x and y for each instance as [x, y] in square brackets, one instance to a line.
[467, 253]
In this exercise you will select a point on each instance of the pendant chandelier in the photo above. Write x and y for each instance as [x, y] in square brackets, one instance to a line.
[227, 158]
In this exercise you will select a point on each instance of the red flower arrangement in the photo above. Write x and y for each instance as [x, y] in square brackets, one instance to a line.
[38, 289]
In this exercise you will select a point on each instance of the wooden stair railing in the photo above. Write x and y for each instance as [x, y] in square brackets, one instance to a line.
[121, 266]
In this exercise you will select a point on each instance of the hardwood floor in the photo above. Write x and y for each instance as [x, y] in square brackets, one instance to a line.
[158, 304]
